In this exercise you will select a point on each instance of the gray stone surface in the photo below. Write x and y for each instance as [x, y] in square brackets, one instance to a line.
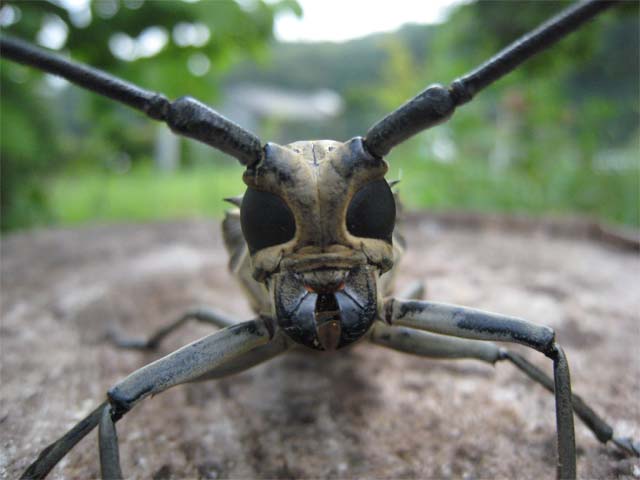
[366, 412]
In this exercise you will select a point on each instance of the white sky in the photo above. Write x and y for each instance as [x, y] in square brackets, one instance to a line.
[339, 20]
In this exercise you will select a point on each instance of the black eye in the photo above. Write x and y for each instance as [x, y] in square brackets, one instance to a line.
[266, 220]
[372, 212]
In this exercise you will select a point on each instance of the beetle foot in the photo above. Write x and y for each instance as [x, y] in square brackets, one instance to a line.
[627, 445]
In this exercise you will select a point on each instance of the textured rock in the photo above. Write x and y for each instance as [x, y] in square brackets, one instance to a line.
[366, 412]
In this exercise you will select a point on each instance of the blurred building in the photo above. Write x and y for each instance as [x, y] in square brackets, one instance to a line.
[251, 104]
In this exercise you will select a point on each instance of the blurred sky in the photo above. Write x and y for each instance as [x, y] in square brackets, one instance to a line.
[339, 20]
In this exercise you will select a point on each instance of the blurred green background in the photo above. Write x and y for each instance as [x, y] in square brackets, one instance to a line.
[558, 136]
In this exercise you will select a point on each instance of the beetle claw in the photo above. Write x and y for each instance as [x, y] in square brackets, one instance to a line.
[627, 445]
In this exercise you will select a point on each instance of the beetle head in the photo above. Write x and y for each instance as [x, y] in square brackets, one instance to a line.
[318, 218]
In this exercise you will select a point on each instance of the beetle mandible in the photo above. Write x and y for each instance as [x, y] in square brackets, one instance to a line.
[313, 245]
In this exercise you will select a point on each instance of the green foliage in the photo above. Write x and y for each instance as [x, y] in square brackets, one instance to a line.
[27, 143]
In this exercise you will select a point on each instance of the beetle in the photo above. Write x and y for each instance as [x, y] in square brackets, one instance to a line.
[313, 244]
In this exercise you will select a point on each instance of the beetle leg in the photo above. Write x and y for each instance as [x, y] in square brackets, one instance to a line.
[258, 355]
[425, 344]
[478, 325]
[200, 314]
[108, 445]
[226, 351]
[432, 345]
[58, 449]
[601, 429]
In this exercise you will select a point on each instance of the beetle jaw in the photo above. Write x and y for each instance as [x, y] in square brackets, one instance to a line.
[326, 308]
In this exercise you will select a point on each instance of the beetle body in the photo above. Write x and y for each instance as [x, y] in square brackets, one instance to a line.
[314, 246]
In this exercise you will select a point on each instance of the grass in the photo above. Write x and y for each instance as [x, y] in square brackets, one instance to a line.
[565, 188]
[143, 194]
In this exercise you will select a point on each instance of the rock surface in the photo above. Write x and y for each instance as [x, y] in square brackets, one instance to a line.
[367, 412]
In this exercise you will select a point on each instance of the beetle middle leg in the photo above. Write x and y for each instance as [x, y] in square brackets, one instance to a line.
[227, 351]
[448, 321]
[432, 345]
[477, 325]
[201, 314]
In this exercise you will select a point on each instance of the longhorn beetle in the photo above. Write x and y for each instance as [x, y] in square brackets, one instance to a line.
[313, 245]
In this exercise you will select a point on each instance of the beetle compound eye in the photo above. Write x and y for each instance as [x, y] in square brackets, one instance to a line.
[266, 220]
[372, 212]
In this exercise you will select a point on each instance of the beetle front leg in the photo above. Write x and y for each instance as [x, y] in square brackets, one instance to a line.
[226, 351]
[478, 325]
[53, 453]
[426, 344]
[108, 445]
[601, 429]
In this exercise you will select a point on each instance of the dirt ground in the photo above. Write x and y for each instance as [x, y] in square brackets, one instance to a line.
[367, 412]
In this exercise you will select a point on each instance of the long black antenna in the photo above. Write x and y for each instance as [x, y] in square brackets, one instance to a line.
[186, 116]
[436, 104]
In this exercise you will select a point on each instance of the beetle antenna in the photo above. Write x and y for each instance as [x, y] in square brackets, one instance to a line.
[436, 104]
[185, 116]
